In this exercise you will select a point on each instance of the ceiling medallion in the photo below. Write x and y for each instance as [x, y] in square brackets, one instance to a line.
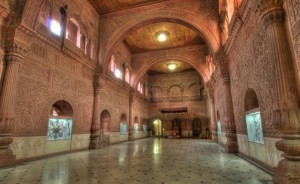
[162, 36]
[171, 66]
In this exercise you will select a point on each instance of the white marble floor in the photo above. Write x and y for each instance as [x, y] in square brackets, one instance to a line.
[151, 161]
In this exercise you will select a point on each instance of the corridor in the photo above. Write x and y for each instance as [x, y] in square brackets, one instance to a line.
[152, 160]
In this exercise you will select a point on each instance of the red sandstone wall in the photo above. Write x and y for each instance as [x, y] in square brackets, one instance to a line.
[48, 74]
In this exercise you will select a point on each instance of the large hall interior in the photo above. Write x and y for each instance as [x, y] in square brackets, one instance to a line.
[150, 91]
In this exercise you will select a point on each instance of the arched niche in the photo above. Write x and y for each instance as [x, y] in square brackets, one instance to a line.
[60, 121]
[60, 125]
[105, 126]
[253, 117]
[123, 124]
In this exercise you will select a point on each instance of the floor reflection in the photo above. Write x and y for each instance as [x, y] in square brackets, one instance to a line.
[152, 161]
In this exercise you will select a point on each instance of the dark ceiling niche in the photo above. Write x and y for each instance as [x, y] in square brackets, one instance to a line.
[174, 110]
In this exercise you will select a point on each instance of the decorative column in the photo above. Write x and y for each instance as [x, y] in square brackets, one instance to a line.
[213, 123]
[14, 56]
[95, 130]
[231, 145]
[286, 103]
[131, 118]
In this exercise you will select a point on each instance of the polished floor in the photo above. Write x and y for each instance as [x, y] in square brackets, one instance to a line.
[152, 160]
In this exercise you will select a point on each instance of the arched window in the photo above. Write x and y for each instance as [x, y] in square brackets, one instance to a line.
[45, 14]
[73, 32]
[140, 88]
[112, 64]
[127, 75]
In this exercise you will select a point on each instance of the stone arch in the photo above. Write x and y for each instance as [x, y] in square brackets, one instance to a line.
[123, 118]
[62, 108]
[140, 71]
[48, 106]
[211, 37]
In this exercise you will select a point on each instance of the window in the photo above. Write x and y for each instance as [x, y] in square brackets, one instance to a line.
[140, 88]
[127, 75]
[118, 73]
[55, 27]
[112, 63]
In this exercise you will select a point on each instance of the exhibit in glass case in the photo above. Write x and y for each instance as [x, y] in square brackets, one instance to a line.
[59, 128]
[123, 128]
[254, 127]
[219, 127]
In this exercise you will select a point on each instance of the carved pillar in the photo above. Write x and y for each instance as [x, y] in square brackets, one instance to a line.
[13, 57]
[231, 145]
[95, 130]
[131, 118]
[214, 133]
[286, 100]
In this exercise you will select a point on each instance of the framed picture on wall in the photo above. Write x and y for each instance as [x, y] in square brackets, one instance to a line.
[123, 128]
[136, 128]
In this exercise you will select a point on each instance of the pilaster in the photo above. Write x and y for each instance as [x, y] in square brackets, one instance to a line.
[13, 57]
[286, 100]
[231, 145]
[131, 105]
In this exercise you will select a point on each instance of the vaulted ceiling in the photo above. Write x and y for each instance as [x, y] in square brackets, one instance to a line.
[109, 6]
[144, 40]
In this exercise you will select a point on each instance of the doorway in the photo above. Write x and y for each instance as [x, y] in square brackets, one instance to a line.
[157, 131]
[196, 123]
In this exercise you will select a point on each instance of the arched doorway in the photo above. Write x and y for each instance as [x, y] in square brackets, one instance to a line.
[196, 125]
[176, 126]
[157, 128]
[60, 127]
[105, 125]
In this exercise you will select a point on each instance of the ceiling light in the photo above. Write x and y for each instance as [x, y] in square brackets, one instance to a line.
[162, 36]
[171, 66]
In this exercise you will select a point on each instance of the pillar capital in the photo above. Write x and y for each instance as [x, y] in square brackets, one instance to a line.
[270, 10]
[16, 49]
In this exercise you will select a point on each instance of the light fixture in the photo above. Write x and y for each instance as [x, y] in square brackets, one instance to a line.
[162, 36]
[171, 66]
